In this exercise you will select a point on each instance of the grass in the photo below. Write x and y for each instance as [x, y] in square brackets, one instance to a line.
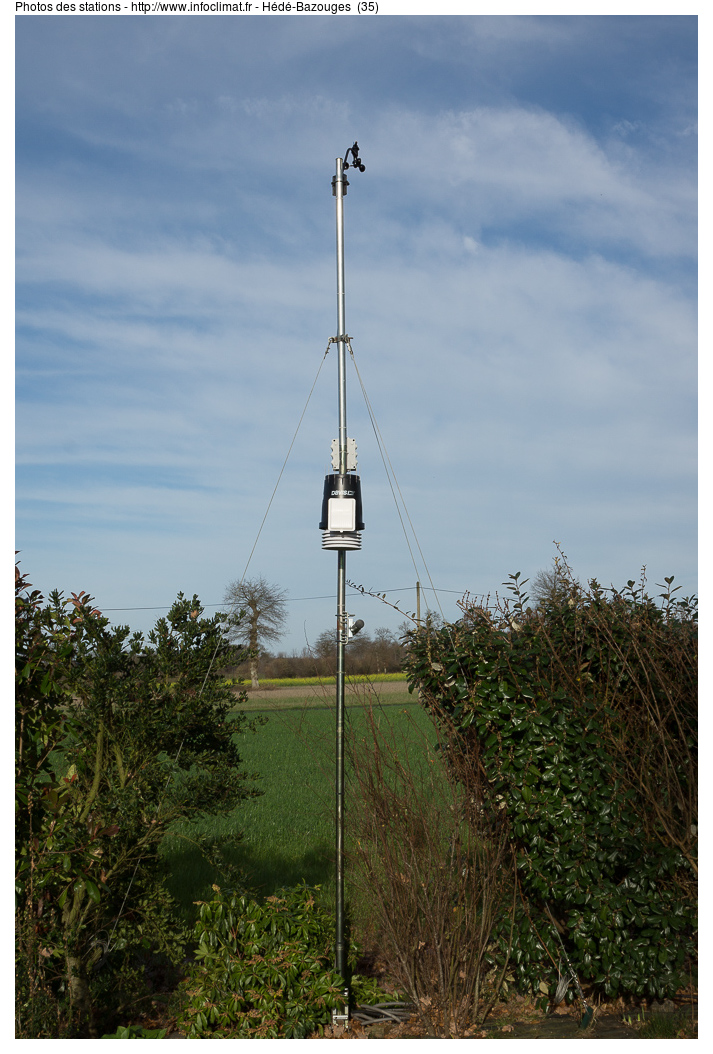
[324, 700]
[288, 831]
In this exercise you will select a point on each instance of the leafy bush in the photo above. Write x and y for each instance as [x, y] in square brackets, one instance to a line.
[584, 716]
[116, 737]
[262, 970]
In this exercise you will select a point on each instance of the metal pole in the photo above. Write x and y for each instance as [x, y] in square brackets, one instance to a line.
[341, 324]
[340, 959]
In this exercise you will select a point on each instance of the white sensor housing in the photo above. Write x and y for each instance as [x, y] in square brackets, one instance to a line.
[341, 514]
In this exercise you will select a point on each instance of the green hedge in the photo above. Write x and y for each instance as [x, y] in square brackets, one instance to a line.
[584, 716]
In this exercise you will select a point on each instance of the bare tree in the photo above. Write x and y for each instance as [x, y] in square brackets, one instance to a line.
[325, 646]
[258, 612]
[434, 869]
[554, 586]
[365, 654]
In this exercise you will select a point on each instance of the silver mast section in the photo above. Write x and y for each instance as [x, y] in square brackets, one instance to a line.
[341, 523]
[340, 958]
[340, 190]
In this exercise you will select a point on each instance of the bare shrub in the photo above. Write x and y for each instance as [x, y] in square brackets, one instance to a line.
[433, 869]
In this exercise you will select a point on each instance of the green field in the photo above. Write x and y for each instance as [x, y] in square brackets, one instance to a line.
[288, 831]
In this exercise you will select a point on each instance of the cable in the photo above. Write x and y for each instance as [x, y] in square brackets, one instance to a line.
[269, 504]
[290, 600]
[385, 457]
[388, 468]
[370, 1015]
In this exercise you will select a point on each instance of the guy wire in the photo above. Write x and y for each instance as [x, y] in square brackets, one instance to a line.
[389, 474]
[385, 457]
[294, 437]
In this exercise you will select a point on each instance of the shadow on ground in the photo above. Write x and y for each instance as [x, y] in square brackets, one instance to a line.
[189, 876]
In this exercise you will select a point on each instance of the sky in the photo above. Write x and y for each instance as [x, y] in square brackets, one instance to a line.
[521, 281]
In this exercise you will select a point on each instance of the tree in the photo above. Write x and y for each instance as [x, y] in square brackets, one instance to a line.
[553, 586]
[259, 611]
[116, 738]
[386, 651]
[365, 654]
[325, 650]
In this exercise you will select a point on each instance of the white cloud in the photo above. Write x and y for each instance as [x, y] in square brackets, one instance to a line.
[499, 167]
[565, 352]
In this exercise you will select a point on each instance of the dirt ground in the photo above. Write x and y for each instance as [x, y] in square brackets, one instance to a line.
[520, 1019]
[300, 691]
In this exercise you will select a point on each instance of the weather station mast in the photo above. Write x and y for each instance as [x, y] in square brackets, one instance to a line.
[341, 524]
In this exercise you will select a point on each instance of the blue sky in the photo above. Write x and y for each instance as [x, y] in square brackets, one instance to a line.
[520, 291]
